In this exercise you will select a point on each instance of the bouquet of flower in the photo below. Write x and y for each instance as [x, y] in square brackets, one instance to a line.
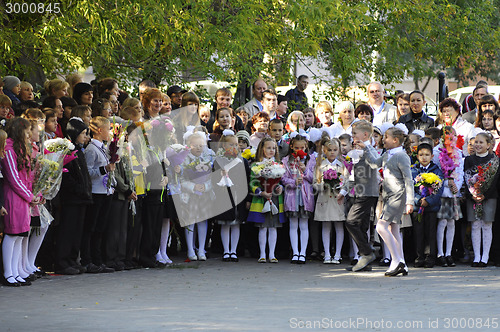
[332, 179]
[269, 174]
[449, 160]
[113, 147]
[227, 158]
[198, 171]
[248, 154]
[428, 184]
[478, 180]
[49, 166]
[348, 163]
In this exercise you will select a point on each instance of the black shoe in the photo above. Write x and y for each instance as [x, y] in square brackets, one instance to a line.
[365, 269]
[106, 269]
[234, 258]
[92, 268]
[226, 257]
[429, 263]
[441, 261]
[294, 260]
[81, 269]
[302, 259]
[483, 264]
[450, 261]
[160, 265]
[400, 269]
[23, 283]
[354, 262]
[475, 264]
[40, 273]
[419, 263]
[68, 271]
[6, 282]
[31, 277]
[114, 266]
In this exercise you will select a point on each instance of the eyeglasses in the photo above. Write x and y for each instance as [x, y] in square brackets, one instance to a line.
[107, 109]
[114, 102]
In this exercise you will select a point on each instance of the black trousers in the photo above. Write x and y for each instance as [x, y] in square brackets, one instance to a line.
[116, 234]
[424, 233]
[358, 222]
[152, 220]
[69, 234]
[134, 226]
[96, 222]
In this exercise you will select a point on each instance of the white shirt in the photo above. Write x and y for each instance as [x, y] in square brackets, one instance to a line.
[392, 152]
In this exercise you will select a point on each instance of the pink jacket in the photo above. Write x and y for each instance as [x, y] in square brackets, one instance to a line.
[17, 193]
[288, 181]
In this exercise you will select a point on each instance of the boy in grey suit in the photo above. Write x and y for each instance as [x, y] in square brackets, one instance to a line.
[366, 189]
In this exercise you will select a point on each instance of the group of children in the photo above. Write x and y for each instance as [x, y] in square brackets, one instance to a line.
[172, 182]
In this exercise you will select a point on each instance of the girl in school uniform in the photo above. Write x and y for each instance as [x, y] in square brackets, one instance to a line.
[299, 198]
[328, 209]
[397, 193]
[481, 179]
[267, 222]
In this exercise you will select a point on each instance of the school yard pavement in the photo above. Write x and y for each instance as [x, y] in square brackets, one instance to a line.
[247, 296]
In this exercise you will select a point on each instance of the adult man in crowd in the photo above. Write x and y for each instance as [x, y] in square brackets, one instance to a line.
[469, 104]
[254, 106]
[175, 93]
[297, 99]
[270, 103]
[479, 92]
[382, 111]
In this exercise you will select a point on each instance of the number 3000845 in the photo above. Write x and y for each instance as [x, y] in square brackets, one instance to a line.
[32, 8]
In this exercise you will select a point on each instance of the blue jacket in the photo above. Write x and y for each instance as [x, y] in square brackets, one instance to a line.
[434, 200]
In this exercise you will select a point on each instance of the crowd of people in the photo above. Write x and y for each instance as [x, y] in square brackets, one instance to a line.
[165, 174]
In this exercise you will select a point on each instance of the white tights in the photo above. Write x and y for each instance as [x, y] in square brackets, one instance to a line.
[201, 228]
[11, 254]
[295, 224]
[162, 256]
[273, 235]
[486, 227]
[230, 233]
[449, 225]
[392, 237]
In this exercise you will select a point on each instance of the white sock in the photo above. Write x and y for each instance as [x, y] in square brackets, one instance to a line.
[475, 235]
[16, 256]
[202, 236]
[7, 254]
[165, 232]
[487, 238]
[262, 241]
[450, 235]
[383, 229]
[440, 236]
[189, 231]
[339, 238]
[23, 261]
[273, 236]
[224, 235]
[396, 231]
[304, 235]
[326, 229]
[235, 237]
[294, 237]
[34, 245]
[354, 249]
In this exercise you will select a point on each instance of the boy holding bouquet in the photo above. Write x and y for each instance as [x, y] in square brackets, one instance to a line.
[428, 180]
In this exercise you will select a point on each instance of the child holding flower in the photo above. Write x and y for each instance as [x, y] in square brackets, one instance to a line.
[481, 178]
[266, 210]
[331, 177]
[197, 190]
[428, 191]
[299, 198]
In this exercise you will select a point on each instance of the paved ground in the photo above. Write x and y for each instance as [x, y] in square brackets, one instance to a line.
[248, 296]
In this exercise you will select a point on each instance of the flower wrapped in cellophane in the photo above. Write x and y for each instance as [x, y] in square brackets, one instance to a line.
[332, 179]
[428, 184]
[269, 174]
[49, 167]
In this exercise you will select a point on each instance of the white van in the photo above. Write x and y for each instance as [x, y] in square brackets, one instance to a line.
[460, 94]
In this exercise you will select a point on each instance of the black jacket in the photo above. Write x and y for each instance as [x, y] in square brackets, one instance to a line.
[423, 122]
[76, 185]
